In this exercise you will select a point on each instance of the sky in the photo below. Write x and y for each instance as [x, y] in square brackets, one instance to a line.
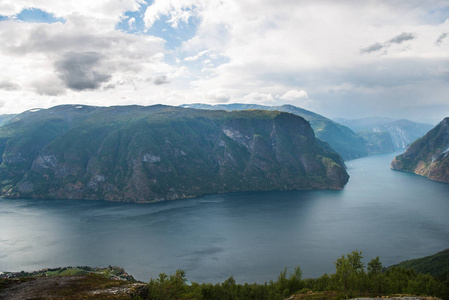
[342, 59]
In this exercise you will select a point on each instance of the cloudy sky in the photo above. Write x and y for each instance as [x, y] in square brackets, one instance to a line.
[344, 58]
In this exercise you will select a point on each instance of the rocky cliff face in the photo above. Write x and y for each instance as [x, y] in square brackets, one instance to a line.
[428, 156]
[145, 154]
[342, 139]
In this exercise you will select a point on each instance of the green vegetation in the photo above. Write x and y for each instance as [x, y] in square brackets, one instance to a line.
[351, 279]
[145, 154]
[435, 265]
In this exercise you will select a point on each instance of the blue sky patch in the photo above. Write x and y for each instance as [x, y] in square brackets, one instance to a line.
[138, 25]
[133, 23]
[36, 15]
[438, 16]
[174, 36]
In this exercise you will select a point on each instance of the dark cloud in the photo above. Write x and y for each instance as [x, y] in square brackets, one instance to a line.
[81, 70]
[110, 86]
[160, 80]
[372, 48]
[441, 38]
[405, 36]
[8, 85]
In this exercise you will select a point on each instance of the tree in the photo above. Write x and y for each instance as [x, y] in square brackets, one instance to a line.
[295, 279]
[168, 287]
[349, 271]
[376, 278]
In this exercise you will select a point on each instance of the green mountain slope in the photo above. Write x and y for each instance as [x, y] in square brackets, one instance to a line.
[435, 265]
[143, 154]
[339, 137]
[428, 156]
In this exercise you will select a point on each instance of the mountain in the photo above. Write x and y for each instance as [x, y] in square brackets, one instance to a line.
[5, 118]
[339, 137]
[364, 124]
[402, 132]
[378, 142]
[428, 156]
[435, 265]
[143, 154]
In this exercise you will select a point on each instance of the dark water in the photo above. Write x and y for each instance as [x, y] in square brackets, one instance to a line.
[252, 236]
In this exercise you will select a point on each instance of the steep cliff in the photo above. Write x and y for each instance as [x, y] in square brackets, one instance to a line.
[342, 139]
[144, 154]
[428, 156]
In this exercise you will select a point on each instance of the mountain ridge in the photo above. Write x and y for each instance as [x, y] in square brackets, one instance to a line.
[402, 131]
[341, 138]
[155, 153]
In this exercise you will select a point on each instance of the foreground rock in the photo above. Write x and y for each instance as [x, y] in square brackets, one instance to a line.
[428, 156]
[68, 287]
[144, 154]
[58, 283]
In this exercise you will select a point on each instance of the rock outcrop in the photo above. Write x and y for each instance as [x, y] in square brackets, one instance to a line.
[428, 156]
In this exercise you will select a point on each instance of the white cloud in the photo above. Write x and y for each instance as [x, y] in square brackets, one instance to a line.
[294, 95]
[105, 12]
[177, 10]
[316, 44]
[258, 98]
[217, 96]
[60, 61]
[196, 57]
[132, 23]
[49, 86]
[8, 85]
[241, 51]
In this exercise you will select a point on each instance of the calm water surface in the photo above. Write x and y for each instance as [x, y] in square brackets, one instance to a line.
[251, 236]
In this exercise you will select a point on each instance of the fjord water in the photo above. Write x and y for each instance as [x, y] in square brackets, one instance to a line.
[252, 236]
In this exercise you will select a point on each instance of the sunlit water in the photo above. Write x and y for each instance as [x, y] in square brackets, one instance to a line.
[252, 236]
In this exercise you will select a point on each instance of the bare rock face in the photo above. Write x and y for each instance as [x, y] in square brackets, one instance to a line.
[144, 154]
[428, 156]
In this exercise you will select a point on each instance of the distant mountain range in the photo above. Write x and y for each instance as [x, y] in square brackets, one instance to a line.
[429, 155]
[5, 118]
[339, 137]
[402, 132]
[142, 154]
